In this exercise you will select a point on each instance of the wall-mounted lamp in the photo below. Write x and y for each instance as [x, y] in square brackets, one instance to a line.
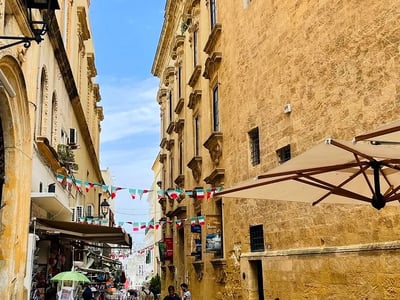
[39, 28]
[105, 207]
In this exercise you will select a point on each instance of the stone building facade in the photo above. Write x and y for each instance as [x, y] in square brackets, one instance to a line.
[50, 126]
[284, 76]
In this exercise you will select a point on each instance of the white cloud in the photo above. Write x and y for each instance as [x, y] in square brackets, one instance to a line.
[129, 107]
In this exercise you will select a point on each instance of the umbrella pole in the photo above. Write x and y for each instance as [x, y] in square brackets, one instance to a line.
[378, 201]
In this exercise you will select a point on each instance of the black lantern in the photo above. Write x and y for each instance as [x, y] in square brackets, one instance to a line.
[105, 207]
[38, 27]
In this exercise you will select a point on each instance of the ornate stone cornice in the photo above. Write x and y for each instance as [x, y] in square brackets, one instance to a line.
[213, 38]
[194, 99]
[214, 146]
[195, 76]
[195, 165]
[212, 64]
[82, 17]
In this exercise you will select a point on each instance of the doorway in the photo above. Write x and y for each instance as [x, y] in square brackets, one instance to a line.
[257, 274]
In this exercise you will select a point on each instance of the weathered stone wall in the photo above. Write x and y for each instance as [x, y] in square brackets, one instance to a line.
[337, 64]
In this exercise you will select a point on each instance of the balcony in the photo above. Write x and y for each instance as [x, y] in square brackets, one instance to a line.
[54, 201]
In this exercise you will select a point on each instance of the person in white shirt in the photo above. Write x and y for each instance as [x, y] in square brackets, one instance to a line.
[186, 295]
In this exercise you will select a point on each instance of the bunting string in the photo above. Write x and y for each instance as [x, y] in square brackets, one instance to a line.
[85, 186]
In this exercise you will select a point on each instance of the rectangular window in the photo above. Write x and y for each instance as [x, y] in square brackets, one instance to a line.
[195, 42]
[180, 81]
[213, 13]
[254, 146]
[257, 238]
[215, 109]
[171, 169]
[180, 158]
[284, 154]
[171, 108]
[196, 136]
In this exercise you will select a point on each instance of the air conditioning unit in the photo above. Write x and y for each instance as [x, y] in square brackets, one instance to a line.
[73, 136]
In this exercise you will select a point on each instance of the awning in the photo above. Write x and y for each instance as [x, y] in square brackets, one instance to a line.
[84, 232]
[332, 172]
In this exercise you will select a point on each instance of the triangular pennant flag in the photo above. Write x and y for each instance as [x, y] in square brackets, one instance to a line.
[160, 194]
[173, 194]
[87, 186]
[192, 221]
[120, 224]
[133, 193]
[178, 223]
[151, 225]
[60, 178]
[136, 226]
[200, 194]
[69, 181]
[143, 225]
[78, 183]
[104, 188]
[141, 192]
[201, 220]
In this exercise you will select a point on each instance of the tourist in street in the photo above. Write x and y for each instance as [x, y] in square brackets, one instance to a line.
[186, 295]
[171, 294]
[87, 293]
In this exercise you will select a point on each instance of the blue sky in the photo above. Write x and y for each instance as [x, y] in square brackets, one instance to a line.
[126, 34]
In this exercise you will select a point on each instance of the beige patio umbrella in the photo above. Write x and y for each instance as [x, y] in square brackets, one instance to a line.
[334, 171]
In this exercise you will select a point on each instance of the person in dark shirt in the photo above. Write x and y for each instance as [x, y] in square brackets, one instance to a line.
[87, 293]
[171, 294]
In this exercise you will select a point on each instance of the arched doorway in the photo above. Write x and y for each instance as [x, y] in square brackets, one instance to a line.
[15, 177]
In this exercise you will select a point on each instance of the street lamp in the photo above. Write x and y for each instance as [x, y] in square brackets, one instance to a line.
[105, 207]
[38, 28]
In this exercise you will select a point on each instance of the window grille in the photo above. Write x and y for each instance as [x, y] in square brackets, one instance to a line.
[284, 154]
[254, 146]
[257, 238]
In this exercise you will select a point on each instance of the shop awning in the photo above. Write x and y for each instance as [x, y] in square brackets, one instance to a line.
[84, 232]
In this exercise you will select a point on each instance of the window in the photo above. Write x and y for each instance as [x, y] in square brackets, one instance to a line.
[53, 119]
[90, 210]
[171, 109]
[215, 109]
[213, 13]
[284, 154]
[40, 106]
[180, 158]
[171, 170]
[254, 146]
[196, 136]
[256, 238]
[195, 44]
[180, 82]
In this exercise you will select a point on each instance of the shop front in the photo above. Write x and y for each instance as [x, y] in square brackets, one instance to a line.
[59, 246]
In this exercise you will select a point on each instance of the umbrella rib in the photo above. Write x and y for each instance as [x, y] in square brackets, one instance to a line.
[349, 149]
[314, 170]
[335, 189]
[376, 133]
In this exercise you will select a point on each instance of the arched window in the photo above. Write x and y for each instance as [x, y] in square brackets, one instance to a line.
[53, 120]
[41, 102]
